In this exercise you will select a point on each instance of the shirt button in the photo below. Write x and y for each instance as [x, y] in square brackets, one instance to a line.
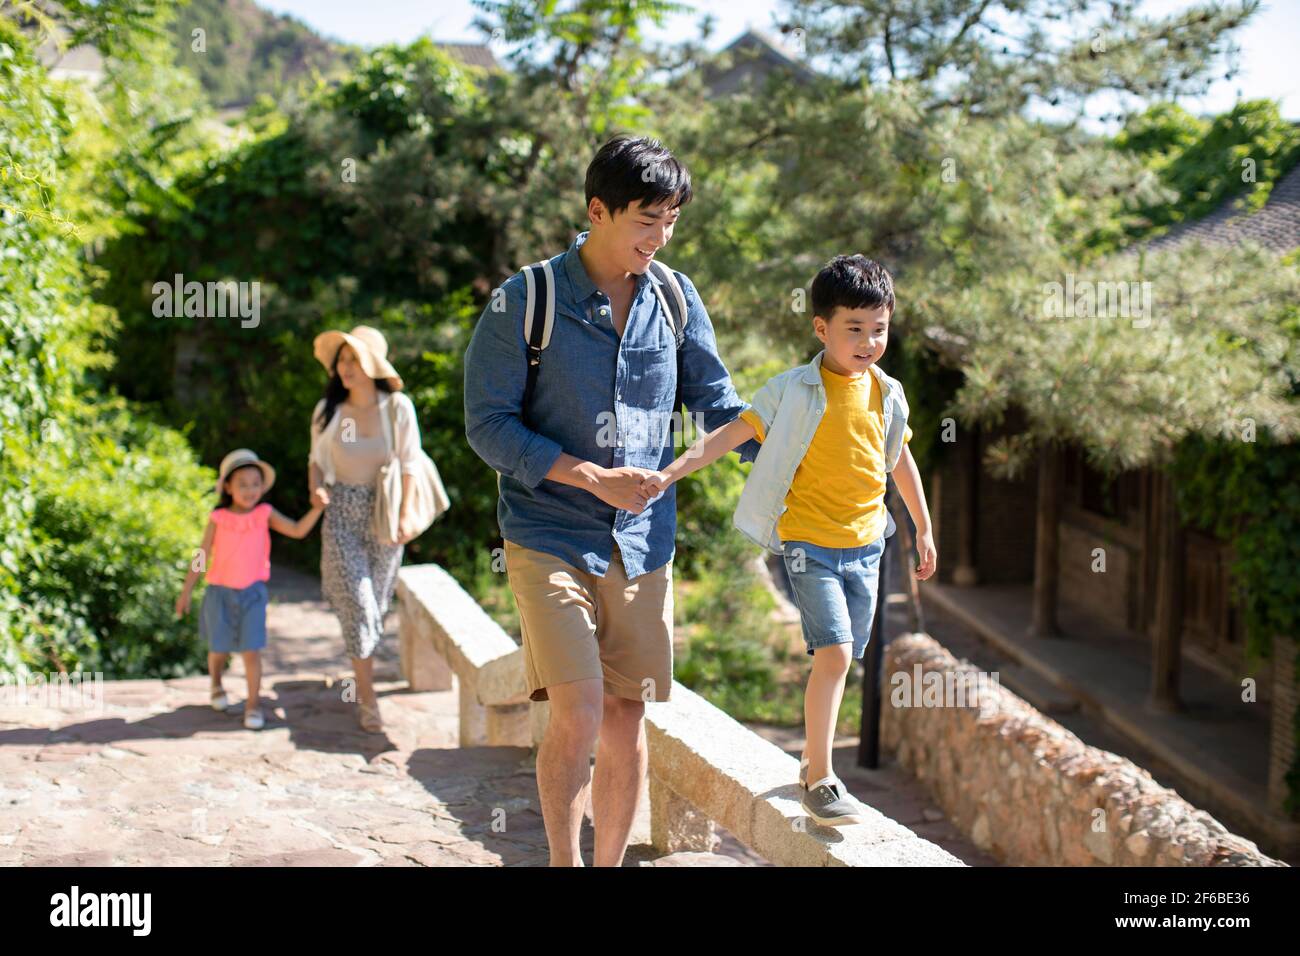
[604, 311]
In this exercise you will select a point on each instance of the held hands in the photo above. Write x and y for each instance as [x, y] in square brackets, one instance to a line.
[320, 497]
[926, 552]
[628, 488]
[656, 483]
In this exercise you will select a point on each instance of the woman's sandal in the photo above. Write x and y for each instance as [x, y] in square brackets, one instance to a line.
[371, 721]
[219, 700]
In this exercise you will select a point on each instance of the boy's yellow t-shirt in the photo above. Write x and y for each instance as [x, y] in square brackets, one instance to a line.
[837, 497]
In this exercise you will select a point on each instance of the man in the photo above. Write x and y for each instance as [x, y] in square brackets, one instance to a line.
[589, 559]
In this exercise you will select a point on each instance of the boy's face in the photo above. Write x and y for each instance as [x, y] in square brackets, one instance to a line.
[635, 234]
[854, 338]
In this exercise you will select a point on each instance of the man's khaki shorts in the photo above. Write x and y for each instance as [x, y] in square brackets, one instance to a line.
[577, 625]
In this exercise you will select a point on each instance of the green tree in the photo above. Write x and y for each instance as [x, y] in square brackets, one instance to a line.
[1205, 162]
[84, 479]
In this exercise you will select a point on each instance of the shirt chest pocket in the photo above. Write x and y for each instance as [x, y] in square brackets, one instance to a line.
[651, 377]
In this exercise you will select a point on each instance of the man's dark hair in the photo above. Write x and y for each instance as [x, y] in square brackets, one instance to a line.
[632, 168]
[852, 282]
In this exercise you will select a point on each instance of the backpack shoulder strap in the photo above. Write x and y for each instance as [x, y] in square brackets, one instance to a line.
[674, 302]
[539, 319]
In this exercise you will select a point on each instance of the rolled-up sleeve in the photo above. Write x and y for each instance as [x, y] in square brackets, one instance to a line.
[496, 368]
[766, 401]
[706, 383]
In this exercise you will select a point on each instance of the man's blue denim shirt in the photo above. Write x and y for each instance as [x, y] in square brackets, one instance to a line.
[598, 397]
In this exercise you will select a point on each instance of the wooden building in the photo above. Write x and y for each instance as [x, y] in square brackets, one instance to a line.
[1165, 584]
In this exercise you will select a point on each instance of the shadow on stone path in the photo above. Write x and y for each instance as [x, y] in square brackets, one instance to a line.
[159, 778]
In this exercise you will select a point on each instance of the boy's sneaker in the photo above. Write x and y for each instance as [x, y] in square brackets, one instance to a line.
[829, 803]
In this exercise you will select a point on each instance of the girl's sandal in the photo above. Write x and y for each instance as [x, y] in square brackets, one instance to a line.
[219, 700]
[253, 719]
[371, 721]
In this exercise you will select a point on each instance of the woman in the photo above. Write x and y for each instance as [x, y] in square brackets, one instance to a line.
[352, 438]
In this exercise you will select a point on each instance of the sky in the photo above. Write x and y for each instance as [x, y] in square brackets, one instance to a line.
[1270, 43]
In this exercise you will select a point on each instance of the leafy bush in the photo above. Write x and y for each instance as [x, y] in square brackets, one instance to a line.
[120, 506]
[98, 506]
[1206, 161]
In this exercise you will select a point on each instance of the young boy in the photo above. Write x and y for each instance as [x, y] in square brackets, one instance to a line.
[830, 431]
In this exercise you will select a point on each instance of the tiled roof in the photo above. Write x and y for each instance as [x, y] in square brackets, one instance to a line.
[1276, 226]
[754, 56]
[472, 54]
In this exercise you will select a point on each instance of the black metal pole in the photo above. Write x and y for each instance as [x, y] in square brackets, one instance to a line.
[873, 663]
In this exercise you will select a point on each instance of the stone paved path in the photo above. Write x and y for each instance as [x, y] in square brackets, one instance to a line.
[160, 778]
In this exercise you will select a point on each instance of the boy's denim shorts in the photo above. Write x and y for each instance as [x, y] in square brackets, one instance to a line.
[234, 619]
[835, 591]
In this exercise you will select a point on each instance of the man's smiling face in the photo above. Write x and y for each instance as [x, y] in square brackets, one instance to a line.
[636, 233]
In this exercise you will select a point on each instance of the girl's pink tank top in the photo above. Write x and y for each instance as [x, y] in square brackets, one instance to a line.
[241, 550]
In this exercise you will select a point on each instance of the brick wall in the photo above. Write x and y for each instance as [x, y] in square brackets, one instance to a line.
[1286, 697]
[1107, 595]
[1004, 519]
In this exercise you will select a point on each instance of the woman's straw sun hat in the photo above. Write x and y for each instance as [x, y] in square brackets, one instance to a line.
[368, 343]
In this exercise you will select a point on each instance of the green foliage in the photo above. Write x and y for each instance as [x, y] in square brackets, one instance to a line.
[1249, 492]
[592, 50]
[1206, 162]
[734, 655]
[977, 209]
[399, 89]
[403, 196]
[94, 502]
[995, 57]
[398, 199]
[119, 509]
[728, 656]
[1213, 318]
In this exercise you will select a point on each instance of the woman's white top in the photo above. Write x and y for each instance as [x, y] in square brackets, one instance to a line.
[358, 460]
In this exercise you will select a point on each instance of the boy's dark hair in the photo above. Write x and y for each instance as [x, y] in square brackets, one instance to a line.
[852, 282]
[617, 175]
[226, 499]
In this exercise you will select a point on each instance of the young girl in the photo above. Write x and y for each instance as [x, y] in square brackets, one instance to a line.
[236, 551]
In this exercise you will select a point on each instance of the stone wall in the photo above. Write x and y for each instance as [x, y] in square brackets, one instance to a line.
[1031, 793]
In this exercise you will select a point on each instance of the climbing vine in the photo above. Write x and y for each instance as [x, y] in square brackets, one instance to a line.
[1248, 492]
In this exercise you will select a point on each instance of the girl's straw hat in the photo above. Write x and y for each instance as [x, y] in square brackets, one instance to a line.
[244, 456]
[371, 349]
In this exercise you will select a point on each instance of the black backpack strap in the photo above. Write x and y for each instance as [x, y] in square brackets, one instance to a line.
[539, 318]
[673, 302]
